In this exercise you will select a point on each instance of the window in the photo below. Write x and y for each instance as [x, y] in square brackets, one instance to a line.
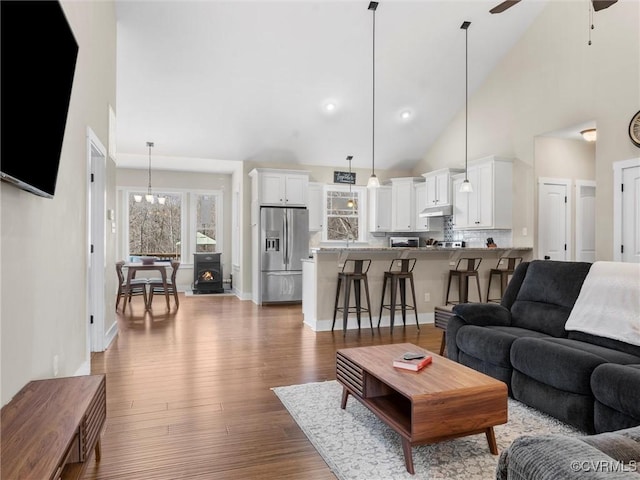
[188, 222]
[154, 229]
[206, 222]
[344, 221]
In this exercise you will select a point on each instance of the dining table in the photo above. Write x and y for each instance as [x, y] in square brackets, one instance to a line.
[135, 267]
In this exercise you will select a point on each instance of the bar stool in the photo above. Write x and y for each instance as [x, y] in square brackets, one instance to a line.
[505, 272]
[400, 270]
[469, 269]
[352, 271]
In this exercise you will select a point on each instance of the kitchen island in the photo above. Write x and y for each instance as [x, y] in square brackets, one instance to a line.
[431, 273]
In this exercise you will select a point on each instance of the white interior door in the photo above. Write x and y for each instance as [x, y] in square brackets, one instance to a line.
[97, 245]
[585, 221]
[631, 215]
[553, 214]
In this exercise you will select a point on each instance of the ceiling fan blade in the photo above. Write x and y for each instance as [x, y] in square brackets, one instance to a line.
[602, 4]
[510, 3]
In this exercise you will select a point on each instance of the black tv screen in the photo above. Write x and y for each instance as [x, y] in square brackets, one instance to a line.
[38, 60]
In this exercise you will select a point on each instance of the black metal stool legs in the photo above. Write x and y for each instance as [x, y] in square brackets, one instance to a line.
[366, 289]
[345, 308]
[335, 306]
[413, 294]
[358, 276]
[398, 281]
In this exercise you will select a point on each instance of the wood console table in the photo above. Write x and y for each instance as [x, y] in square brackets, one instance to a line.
[50, 427]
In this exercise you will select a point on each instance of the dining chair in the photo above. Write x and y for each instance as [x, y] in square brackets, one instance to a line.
[137, 286]
[156, 286]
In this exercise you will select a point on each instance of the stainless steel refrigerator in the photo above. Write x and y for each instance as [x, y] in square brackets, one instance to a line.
[284, 241]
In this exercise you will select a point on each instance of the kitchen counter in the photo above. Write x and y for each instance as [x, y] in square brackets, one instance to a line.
[431, 273]
[357, 249]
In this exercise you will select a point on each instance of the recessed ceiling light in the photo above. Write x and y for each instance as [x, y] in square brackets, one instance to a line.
[330, 107]
[405, 114]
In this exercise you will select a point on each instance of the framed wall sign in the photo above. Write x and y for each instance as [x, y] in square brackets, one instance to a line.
[344, 177]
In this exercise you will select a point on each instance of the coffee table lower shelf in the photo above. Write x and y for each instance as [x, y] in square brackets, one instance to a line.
[423, 418]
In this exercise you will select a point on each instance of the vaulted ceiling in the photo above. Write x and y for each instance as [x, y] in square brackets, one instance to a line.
[242, 80]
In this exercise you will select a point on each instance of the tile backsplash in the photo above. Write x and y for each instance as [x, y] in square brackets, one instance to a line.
[478, 238]
[472, 238]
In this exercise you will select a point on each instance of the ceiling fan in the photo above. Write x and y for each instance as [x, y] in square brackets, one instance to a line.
[597, 5]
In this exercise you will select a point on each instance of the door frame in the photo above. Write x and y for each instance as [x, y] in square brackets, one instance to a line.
[618, 167]
[567, 182]
[96, 261]
[579, 212]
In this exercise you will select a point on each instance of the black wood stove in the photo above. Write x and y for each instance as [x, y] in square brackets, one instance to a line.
[207, 273]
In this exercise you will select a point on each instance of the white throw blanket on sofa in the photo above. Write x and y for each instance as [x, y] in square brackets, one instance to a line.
[609, 302]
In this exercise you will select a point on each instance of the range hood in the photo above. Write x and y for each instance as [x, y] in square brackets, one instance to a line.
[439, 211]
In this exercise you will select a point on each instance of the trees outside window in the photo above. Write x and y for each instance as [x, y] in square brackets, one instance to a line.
[206, 222]
[344, 219]
[188, 222]
[155, 229]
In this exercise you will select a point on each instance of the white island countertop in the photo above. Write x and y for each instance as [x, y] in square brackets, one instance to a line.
[363, 249]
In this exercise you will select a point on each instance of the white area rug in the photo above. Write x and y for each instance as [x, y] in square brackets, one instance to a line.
[358, 446]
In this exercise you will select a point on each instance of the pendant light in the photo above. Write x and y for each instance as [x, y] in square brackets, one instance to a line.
[373, 180]
[350, 202]
[149, 196]
[466, 185]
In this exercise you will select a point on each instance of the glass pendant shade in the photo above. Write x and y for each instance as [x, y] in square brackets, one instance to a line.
[466, 187]
[373, 181]
[161, 200]
[149, 198]
[137, 198]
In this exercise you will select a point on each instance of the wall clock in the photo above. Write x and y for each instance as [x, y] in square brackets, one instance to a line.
[634, 129]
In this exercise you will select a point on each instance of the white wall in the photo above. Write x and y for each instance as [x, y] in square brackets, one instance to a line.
[549, 80]
[44, 241]
[566, 159]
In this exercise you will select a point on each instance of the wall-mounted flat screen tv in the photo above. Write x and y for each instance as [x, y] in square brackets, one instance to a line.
[38, 59]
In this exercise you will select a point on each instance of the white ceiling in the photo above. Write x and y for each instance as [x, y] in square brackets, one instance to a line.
[241, 80]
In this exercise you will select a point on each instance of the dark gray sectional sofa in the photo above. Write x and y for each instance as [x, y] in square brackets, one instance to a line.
[607, 456]
[587, 381]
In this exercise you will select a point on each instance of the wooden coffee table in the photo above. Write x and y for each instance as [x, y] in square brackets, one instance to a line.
[442, 401]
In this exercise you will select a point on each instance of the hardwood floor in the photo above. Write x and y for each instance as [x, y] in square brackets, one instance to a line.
[188, 392]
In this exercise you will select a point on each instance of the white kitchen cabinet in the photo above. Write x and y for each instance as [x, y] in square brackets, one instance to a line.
[314, 203]
[380, 209]
[438, 186]
[421, 223]
[281, 187]
[403, 203]
[489, 206]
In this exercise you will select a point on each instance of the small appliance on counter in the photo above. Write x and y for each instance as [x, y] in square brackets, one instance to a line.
[457, 244]
[404, 242]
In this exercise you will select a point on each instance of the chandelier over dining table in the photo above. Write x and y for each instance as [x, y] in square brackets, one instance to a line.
[149, 197]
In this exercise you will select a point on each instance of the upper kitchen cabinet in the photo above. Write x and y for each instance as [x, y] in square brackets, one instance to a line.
[420, 195]
[280, 187]
[314, 202]
[403, 204]
[438, 187]
[380, 209]
[489, 206]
